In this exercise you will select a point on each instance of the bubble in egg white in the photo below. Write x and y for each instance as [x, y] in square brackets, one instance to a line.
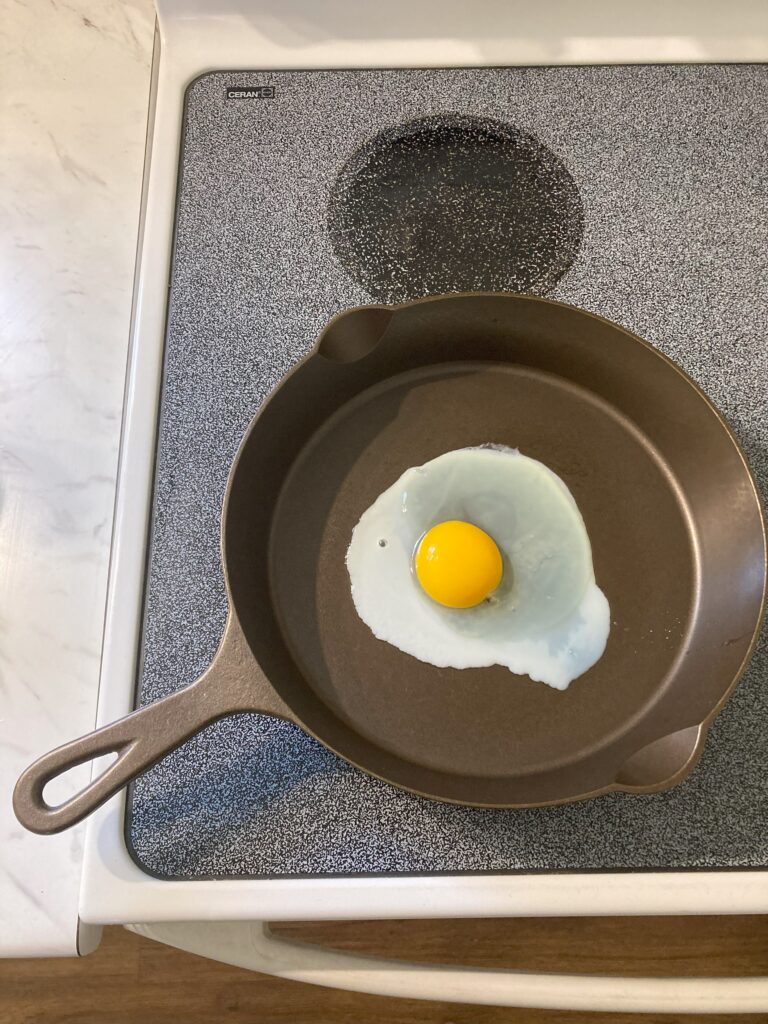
[548, 619]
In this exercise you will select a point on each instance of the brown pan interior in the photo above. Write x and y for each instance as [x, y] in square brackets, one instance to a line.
[668, 502]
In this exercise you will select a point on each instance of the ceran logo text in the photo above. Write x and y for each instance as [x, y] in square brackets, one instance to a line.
[250, 92]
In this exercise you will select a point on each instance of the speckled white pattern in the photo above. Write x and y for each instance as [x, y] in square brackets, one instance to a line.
[75, 81]
[480, 207]
[669, 164]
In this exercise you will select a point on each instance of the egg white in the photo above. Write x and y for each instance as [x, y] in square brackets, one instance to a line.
[548, 619]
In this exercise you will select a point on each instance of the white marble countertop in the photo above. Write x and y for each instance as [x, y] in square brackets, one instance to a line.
[74, 84]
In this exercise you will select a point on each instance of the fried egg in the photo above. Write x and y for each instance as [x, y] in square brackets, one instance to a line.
[481, 557]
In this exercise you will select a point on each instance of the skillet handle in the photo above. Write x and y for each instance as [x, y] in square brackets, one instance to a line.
[139, 740]
[232, 683]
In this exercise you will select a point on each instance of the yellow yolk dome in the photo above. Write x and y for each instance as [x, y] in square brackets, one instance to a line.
[458, 564]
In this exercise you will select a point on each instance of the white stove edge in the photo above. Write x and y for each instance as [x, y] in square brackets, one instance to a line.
[114, 888]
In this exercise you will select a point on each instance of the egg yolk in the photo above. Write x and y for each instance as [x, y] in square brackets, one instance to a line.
[458, 564]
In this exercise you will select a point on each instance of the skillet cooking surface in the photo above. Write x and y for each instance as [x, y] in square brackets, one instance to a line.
[484, 721]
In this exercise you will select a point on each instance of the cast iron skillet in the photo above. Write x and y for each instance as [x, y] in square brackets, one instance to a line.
[668, 500]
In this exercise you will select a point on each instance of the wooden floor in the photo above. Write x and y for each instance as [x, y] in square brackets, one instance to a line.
[130, 980]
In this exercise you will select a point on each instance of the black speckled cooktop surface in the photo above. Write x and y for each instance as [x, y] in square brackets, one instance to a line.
[640, 193]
